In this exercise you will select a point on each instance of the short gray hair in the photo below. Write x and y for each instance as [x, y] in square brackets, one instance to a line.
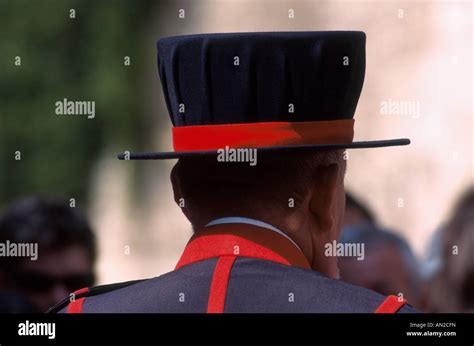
[206, 185]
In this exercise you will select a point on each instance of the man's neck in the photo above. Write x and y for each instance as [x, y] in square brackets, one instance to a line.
[249, 221]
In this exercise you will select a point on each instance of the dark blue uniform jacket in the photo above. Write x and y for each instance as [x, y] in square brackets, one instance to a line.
[238, 269]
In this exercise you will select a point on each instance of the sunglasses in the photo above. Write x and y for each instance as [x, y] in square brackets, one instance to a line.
[41, 282]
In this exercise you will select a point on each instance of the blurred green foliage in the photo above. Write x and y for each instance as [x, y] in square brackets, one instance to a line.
[77, 59]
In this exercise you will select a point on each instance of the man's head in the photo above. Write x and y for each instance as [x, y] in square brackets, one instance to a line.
[65, 250]
[388, 266]
[452, 288]
[301, 192]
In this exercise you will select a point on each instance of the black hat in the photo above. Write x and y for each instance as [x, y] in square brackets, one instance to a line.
[264, 90]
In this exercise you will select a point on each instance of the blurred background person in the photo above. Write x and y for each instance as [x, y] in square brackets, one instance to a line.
[15, 303]
[356, 212]
[65, 253]
[388, 266]
[430, 267]
[452, 287]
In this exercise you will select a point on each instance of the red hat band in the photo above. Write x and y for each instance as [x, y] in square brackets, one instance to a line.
[261, 135]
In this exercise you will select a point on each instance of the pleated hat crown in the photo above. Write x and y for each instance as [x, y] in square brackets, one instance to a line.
[261, 77]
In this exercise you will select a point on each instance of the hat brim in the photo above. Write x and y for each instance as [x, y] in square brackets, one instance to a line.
[353, 145]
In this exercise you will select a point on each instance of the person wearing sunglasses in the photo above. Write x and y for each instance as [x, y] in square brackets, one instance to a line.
[66, 251]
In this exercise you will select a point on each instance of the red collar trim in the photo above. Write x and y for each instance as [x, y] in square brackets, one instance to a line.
[241, 240]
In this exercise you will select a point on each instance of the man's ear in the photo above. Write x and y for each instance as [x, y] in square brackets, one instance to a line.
[324, 195]
[175, 184]
[178, 192]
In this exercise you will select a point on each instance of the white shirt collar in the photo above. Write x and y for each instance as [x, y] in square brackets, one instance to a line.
[249, 221]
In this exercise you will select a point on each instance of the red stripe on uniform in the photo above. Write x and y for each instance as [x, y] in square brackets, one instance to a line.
[75, 307]
[220, 280]
[81, 291]
[390, 305]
